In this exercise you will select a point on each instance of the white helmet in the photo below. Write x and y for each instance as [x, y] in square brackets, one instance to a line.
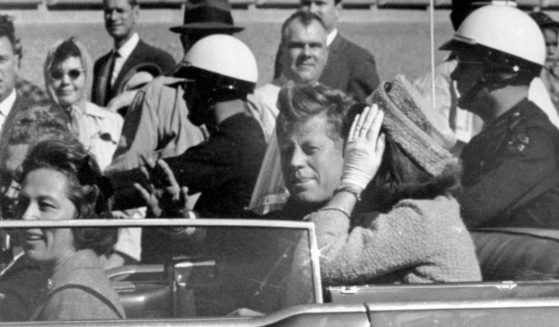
[502, 28]
[222, 62]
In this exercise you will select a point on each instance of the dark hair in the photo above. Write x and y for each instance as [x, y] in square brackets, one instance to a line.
[36, 124]
[7, 30]
[302, 16]
[400, 177]
[298, 104]
[87, 188]
[67, 49]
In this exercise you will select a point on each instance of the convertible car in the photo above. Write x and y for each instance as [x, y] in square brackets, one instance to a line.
[266, 273]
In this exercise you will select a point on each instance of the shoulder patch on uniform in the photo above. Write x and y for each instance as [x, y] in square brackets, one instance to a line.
[518, 142]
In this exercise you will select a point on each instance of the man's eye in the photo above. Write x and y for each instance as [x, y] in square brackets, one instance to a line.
[310, 149]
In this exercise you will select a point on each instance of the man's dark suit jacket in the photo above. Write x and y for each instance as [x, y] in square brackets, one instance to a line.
[143, 53]
[349, 68]
[20, 105]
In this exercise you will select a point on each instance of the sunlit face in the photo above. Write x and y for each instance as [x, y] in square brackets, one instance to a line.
[68, 81]
[325, 9]
[120, 18]
[305, 52]
[44, 196]
[311, 161]
[9, 187]
[550, 35]
[9, 62]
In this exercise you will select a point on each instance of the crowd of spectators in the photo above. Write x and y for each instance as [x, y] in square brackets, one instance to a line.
[393, 181]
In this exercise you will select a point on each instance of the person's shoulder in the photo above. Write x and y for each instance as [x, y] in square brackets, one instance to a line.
[529, 129]
[531, 115]
[154, 52]
[94, 110]
[439, 206]
[265, 92]
[354, 50]
[101, 59]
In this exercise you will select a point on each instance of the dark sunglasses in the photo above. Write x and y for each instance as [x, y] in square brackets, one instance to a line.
[74, 74]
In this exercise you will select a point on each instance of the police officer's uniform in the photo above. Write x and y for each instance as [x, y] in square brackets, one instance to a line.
[511, 178]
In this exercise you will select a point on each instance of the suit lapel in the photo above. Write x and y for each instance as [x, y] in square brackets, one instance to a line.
[104, 78]
[332, 76]
[19, 105]
[129, 63]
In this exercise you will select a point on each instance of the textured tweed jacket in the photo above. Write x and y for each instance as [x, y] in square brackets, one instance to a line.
[74, 303]
[418, 241]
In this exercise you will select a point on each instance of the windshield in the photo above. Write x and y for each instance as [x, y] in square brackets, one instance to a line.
[229, 268]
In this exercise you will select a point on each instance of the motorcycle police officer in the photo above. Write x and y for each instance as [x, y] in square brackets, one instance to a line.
[510, 174]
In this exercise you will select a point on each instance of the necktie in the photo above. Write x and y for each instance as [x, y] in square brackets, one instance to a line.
[109, 75]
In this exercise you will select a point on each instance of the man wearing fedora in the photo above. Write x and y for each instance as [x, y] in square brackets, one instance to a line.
[111, 71]
[156, 124]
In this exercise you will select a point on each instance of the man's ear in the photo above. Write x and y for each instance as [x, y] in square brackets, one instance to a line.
[136, 11]
[17, 59]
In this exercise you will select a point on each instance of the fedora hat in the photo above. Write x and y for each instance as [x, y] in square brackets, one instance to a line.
[207, 15]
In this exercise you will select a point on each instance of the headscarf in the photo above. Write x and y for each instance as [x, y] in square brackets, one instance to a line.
[87, 64]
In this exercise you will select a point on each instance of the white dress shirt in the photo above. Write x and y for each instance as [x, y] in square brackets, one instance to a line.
[330, 38]
[123, 53]
[6, 107]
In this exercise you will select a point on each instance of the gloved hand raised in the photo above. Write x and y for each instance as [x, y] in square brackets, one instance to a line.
[364, 149]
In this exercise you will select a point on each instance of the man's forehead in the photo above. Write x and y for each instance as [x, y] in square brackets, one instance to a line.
[312, 127]
[297, 29]
[6, 46]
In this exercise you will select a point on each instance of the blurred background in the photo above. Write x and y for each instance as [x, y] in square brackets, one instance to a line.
[397, 32]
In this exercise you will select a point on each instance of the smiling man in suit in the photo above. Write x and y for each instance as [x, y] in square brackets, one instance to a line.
[349, 68]
[128, 54]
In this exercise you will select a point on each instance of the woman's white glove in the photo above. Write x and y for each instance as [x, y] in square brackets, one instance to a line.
[364, 149]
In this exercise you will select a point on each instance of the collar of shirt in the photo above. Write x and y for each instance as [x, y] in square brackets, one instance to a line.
[6, 106]
[330, 38]
[126, 49]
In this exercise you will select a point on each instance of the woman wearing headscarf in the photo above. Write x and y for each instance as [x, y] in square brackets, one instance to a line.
[68, 77]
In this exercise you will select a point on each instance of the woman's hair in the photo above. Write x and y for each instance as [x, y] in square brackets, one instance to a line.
[298, 104]
[65, 50]
[400, 177]
[37, 123]
[87, 188]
